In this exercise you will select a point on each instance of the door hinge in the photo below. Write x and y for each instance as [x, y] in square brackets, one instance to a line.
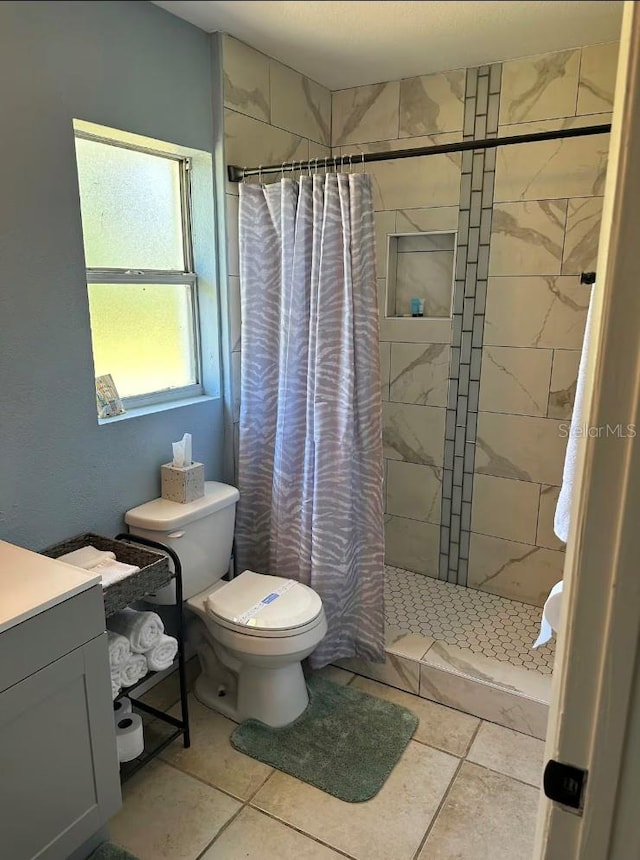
[565, 784]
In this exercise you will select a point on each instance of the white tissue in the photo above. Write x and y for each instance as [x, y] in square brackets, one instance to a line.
[182, 452]
[550, 615]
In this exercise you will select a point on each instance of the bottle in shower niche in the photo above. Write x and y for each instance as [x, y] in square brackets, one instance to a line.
[417, 307]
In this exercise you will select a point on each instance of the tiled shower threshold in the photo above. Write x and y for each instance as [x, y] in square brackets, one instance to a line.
[466, 649]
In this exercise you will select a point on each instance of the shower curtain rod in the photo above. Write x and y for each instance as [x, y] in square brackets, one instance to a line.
[237, 174]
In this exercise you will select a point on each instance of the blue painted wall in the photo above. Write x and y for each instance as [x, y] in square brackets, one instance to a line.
[127, 65]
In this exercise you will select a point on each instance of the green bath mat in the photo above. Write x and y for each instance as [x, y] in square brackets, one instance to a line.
[109, 851]
[346, 742]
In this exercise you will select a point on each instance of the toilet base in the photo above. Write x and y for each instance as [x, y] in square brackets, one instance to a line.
[275, 696]
[245, 677]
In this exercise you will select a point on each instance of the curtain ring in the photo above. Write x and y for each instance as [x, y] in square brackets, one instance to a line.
[350, 163]
[244, 175]
[325, 163]
[259, 174]
[362, 153]
[282, 170]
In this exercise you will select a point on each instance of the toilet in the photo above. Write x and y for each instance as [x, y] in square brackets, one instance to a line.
[251, 633]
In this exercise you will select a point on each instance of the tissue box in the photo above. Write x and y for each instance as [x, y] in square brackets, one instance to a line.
[182, 483]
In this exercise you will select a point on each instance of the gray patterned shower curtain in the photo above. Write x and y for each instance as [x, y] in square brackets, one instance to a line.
[310, 460]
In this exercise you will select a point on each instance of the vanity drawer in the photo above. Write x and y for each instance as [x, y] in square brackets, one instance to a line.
[28, 647]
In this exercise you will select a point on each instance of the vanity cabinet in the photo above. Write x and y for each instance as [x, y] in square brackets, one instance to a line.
[59, 780]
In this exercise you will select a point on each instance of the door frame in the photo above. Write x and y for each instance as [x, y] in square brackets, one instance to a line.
[597, 658]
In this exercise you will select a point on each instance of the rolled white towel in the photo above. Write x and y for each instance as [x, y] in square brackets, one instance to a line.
[119, 649]
[142, 629]
[115, 688]
[134, 669]
[162, 655]
[87, 557]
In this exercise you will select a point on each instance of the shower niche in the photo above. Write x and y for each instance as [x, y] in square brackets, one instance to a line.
[420, 269]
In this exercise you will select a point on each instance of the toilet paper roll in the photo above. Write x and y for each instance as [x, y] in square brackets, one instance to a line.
[129, 737]
[121, 707]
[550, 615]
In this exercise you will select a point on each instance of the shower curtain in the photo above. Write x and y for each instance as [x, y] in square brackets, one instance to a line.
[310, 460]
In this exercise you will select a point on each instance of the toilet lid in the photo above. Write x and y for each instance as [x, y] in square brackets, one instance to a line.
[263, 602]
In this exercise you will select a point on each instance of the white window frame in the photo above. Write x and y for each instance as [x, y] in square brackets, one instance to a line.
[187, 276]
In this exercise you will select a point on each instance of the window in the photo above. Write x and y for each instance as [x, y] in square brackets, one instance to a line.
[140, 276]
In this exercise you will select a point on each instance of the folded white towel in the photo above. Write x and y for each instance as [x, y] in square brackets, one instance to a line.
[115, 688]
[134, 669]
[142, 629]
[87, 557]
[113, 571]
[162, 655]
[119, 649]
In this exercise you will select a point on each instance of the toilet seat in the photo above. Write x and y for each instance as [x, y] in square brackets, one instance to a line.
[256, 604]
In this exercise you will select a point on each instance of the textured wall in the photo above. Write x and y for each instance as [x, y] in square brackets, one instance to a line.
[546, 222]
[410, 195]
[513, 373]
[129, 66]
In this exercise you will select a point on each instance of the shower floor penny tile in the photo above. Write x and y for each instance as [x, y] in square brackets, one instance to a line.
[484, 623]
[459, 800]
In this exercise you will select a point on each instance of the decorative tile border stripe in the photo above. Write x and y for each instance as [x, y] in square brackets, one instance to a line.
[482, 101]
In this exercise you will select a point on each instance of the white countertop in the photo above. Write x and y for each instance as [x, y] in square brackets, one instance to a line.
[31, 583]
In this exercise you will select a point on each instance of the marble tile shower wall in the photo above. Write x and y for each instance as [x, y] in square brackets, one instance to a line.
[272, 115]
[542, 231]
[544, 222]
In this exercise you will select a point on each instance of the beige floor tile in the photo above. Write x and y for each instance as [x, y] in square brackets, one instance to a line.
[167, 692]
[390, 825]
[211, 756]
[439, 727]
[334, 674]
[167, 815]
[486, 816]
[254, 836]
[508, 752]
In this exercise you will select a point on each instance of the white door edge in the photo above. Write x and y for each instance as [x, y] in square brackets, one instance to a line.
[596, 659]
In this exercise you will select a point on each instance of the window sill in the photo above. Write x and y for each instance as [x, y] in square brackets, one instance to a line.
[156, 407]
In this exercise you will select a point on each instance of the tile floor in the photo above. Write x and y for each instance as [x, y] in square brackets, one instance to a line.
[482, 622]
[464, 789]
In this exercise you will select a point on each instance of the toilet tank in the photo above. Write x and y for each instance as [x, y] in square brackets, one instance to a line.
[200, 532]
